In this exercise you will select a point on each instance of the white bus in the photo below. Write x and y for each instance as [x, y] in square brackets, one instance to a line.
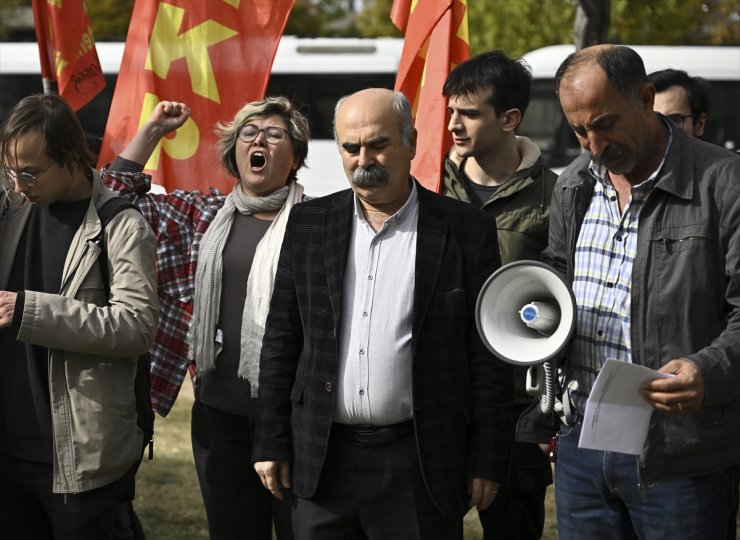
[545, 124]
[312, 72]
[315, 72]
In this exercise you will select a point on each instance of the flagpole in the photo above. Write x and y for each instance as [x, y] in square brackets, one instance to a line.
[67, 51]
[40, 24]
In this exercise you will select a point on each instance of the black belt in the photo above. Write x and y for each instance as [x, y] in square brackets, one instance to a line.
[367, 435]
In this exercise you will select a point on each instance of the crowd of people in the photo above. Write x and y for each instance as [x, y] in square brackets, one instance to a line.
[341, 387]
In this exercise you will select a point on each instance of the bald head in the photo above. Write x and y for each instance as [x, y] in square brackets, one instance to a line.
[381, 98]
[622, 66]
[372, 131]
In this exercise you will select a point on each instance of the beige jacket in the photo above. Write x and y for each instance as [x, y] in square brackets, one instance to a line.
[93, 345]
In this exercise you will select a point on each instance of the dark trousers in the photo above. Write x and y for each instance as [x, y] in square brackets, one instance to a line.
[514, 515]
[237, 504]
[126, 524]
[30, 511]
[374, 493]
[732, 525]
[518, 511]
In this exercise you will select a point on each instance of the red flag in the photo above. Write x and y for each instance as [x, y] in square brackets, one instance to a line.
[436, 40]
[214, 56]
[67, 50]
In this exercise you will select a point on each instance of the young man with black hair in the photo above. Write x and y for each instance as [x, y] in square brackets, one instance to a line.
[69, 341]
[504, 175]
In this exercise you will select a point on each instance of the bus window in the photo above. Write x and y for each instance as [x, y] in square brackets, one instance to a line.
[545, 124]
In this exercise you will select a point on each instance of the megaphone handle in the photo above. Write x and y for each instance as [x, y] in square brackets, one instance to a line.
[547, 400]
[567, 413]
[535, 376]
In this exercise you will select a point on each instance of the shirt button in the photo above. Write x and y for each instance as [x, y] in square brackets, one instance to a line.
[370, 277]
[613, 198]
[609, 285]
[329, 387]
[362, 351]
[364, 313]
[618, 238]
[362, 391]
[600, 333]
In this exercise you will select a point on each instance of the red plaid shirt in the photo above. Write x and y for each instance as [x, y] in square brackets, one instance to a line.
[179, 220]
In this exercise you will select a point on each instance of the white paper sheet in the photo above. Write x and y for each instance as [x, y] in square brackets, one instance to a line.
[617, 416]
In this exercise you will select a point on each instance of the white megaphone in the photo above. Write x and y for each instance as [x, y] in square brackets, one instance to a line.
[526, 316]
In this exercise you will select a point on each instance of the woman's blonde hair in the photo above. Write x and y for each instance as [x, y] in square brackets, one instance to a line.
[298, 129]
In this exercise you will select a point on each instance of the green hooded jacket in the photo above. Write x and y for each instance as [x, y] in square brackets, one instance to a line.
[521, 206]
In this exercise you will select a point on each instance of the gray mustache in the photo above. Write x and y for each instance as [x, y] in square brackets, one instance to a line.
[372, 176]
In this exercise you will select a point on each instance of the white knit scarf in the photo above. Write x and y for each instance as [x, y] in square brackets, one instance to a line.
[202, 336]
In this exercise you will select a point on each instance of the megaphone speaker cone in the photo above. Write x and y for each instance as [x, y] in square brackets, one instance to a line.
[525, 313]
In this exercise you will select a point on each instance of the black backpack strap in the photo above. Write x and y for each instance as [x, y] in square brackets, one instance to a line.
[110, 209]
[142, 385]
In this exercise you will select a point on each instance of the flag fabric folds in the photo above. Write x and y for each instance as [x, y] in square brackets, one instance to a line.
[436, 40]
[67, 50]
[213, 56]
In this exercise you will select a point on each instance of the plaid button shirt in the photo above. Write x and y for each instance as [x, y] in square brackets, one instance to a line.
[179, 220]
[602, 281]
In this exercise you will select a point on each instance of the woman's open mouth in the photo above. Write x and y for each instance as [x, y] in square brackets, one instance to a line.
[257, 161]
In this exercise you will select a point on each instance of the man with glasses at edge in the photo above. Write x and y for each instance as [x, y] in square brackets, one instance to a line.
[69, 341]
[681, 98]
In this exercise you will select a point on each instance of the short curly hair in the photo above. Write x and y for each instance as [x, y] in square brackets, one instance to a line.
[298, 129]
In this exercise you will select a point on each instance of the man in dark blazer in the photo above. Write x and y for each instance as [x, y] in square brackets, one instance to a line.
[379, 405]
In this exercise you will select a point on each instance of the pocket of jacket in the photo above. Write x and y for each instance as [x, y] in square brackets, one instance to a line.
[671, 246]
[685, 276]
[296, 394]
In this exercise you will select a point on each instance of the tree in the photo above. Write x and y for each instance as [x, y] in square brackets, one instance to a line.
[109, 19]
[671, 22]
[514, 26]
[10, 17]
[326, 18]
[375, 20]
[591, 25]
[518, 27]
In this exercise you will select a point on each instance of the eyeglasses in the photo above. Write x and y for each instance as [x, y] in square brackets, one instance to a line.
[678, 119]
[273, 134]
[26, 178]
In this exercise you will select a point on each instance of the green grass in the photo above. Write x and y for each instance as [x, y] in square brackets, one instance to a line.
[168, 497]
[167, 494]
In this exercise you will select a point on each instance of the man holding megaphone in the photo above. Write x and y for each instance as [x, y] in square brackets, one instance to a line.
[646, 227]
[503, 174]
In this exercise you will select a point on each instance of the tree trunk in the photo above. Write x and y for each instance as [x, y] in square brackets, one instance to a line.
[591, 25]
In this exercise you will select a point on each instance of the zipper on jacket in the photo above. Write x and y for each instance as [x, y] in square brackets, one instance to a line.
[542, 189]
[572, 237]
[641, 487]
[665, 242]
